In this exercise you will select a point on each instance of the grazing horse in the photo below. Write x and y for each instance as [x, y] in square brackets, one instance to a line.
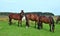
[32, 17]
[49, 20]
[16, 17]
[58, 19]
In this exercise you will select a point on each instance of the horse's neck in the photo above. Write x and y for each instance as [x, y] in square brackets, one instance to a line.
[20, 15]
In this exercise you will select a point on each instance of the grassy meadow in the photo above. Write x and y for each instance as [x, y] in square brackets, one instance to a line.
[14, 30]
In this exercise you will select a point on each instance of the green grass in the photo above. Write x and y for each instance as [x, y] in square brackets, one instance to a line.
[14, 30]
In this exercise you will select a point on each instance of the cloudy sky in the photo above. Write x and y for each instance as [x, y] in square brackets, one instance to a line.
[16, 6]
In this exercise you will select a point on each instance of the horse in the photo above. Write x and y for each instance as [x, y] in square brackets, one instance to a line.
[49, 20]
[58, 19]
[16, 17]
[32, 17]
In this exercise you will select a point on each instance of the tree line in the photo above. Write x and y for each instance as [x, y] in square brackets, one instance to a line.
[38, 13]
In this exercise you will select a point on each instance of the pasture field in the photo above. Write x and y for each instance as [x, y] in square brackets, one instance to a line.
[14, 30]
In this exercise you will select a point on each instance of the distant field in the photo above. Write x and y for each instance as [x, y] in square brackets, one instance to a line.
[3, 18]
[14, 30]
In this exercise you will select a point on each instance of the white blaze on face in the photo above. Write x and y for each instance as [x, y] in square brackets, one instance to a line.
[23, 18]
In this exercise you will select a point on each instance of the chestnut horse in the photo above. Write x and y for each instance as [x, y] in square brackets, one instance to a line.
[58, 19]
[32, 17]
[16, 17]
[45, 19]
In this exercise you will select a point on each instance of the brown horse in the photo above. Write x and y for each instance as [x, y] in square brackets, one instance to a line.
[16, 17]
[58, 19]
[49, 20]
[32, 17]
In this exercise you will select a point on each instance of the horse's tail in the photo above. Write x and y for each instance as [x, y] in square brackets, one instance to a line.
[9, 16]
[26, 18]
[52, 23]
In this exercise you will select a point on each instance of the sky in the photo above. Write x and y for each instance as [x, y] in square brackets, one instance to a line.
[52, 6]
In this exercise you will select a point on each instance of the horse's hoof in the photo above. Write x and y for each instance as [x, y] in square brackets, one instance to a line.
[26, 27]
[50, 31]
[41, 28]
[21, 25]
[9, 24]
[18, 25]
[34, 27]
[38, 28]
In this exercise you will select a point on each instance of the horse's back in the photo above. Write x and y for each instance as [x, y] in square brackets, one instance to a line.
[14, 16]
[44, 19]
[32, 16]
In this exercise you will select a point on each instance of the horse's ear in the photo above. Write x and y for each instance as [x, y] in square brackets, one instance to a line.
[22, 11]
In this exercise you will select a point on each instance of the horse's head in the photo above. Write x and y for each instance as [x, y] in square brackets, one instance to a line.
[22, 13]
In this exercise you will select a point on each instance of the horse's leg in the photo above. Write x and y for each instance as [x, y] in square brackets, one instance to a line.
[10, 21]
[27, 23]
[18, 22]
[50, 26]
[41, 25]
[35, 24]
[53, 26]
[21, 23]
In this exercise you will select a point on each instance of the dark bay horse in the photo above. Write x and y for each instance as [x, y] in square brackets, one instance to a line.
[49, 20]
[16, 17]
[32, 17]
[58, 19]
